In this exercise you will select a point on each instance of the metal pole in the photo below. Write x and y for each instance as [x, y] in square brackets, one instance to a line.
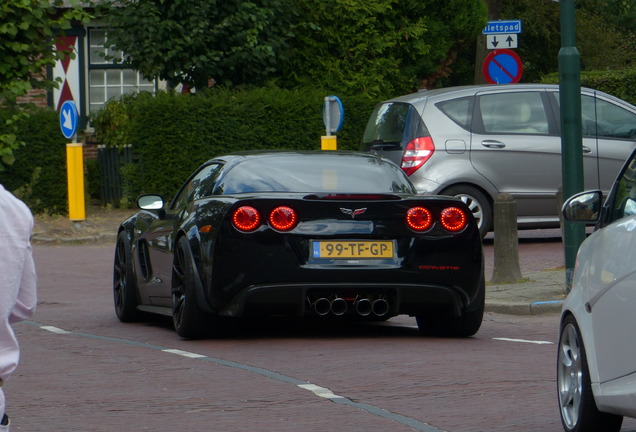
[328, 114]
[571, 139]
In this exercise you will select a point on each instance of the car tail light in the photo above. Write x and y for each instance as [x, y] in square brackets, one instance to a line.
[416, 153]
[453, 219]
[419, 219]
[246, 218]
[283, 218]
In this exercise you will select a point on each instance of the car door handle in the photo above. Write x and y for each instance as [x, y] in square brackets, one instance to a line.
[493, 144]
[586, 149]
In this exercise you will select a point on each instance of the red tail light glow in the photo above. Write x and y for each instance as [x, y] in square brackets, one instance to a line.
[283, 218]
[417, 152]
[419, 219]
[453, 219]
[246, 218]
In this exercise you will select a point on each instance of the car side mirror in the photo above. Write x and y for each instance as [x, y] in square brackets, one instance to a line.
[629, 209]
[150, 202]
[583, 207]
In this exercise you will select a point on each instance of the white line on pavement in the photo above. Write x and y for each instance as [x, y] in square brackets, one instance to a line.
[524, 341]
[183, 353]
[55, 330]
[319, 391]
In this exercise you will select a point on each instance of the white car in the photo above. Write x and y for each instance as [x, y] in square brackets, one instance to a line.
[596, 367]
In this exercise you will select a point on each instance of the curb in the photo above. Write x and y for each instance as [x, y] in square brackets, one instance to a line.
[99, 238]
[551, 307]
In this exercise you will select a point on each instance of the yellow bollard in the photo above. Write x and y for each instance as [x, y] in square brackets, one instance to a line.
[75, 176]
[328, 143]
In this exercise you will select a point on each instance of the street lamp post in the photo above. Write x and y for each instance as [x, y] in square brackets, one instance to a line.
[571, 139]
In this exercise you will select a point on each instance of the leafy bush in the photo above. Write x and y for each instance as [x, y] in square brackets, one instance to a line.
[172, 134]
[619, 83]
[38, 175]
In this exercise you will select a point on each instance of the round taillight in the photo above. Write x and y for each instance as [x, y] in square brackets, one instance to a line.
[453, 219]
[283, 218]
[246, 218]
[419, 218]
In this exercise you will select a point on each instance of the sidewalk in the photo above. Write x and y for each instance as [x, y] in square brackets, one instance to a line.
[541, 291]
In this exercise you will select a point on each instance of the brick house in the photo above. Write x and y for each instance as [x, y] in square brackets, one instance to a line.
[89, 79]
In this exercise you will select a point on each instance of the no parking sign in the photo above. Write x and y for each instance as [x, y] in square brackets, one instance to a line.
[502, 66]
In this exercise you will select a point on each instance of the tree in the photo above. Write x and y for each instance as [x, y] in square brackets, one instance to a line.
[604, 37]
[193, 41]
[28, 29]
[380, 47]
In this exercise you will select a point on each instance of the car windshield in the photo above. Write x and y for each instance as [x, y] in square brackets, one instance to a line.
[316, 173]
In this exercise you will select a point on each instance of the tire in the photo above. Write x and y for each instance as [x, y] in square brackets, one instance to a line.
[189, 320]
[445, 325]
[477, 202]
[124, 281]
[576, 401]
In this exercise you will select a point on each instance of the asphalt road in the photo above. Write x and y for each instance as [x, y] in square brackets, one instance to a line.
[83, 370]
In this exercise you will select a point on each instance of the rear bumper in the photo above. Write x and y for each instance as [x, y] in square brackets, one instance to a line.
[299, 300]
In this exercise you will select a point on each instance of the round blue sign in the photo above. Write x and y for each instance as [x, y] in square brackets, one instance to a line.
[68, 118]
[502, 66]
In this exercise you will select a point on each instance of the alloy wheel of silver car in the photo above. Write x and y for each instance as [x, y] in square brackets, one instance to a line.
[570, 376]
[576, 401]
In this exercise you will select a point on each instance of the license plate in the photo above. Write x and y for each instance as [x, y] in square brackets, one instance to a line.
[348, 249]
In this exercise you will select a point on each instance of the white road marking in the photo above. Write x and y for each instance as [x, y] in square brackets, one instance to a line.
[524, 341]
[183, 353]
[55, 330]
[320, 391]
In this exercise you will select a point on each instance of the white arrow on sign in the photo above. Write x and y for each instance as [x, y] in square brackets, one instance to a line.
[68, 120]
[502, 41]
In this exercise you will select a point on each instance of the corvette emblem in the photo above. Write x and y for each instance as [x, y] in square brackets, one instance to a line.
[353, 213]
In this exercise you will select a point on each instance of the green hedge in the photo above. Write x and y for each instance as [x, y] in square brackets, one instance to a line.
[619, 83]
[38, 175]
[172, 134]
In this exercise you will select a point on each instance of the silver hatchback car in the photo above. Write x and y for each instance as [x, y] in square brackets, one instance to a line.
[475, 142]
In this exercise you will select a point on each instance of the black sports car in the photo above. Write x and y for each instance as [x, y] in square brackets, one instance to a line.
[300, 234]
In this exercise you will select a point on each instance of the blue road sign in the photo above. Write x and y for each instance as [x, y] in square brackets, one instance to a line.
[332, 114]
[502, 27]
[68, 118]
[502, 66]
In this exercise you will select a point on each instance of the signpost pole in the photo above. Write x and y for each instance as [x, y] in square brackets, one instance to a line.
[332, 117]
[571, 136]
[75, 177]
[74, 162]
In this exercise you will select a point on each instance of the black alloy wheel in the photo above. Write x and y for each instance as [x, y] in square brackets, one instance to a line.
[124, 282]
[443, 324]
[189, 320]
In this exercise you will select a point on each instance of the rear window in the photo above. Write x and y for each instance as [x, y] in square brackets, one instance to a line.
[459, 110]
[392, 125]
[318, 173]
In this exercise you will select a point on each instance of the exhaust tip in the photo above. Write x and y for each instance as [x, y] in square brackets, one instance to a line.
[364, 307]
[338, 306]
[380, 307]
[322, 306]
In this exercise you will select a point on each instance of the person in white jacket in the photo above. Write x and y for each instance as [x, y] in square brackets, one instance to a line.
[18, 282]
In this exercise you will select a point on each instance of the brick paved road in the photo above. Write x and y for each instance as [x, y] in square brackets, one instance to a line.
[82, 370]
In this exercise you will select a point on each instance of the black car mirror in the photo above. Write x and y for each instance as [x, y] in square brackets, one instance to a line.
[583, 207]
[150, 202]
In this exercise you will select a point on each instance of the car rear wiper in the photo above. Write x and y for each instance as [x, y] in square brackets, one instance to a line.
[381, 145]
